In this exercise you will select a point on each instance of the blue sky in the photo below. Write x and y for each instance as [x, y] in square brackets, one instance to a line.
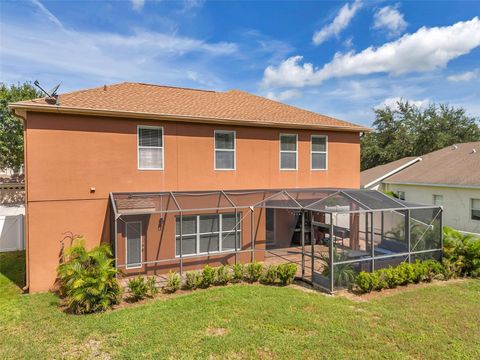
[337, 58]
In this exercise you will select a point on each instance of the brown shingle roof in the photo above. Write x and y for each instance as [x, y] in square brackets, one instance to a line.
[234, 105]
[377, 172]
[455, 165]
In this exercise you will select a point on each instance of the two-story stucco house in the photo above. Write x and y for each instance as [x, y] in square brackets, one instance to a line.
[142, 138]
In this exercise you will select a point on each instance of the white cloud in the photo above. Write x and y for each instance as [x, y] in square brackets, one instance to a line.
[466, 76]
[47, 13]
[425, 50]
[390, 19]
[392, 102]
[83, 57]
[341, 21]
[137, 5]
[284, 95]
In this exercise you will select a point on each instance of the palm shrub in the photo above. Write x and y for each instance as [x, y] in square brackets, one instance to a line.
[286, 273]
[152, 289]
[173, 282]
[462, 251]
[88, 278]
[138, 288]
[343, 274]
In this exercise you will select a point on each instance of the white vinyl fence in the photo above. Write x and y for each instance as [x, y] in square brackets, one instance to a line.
[12, 234]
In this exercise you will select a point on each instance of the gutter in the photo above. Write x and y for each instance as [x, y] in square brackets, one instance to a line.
[21, 109]
[457, 186]
[394, 171]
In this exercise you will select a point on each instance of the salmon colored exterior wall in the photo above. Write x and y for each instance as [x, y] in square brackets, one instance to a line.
[66, 155]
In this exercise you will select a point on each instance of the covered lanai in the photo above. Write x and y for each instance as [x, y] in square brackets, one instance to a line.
[331, 234]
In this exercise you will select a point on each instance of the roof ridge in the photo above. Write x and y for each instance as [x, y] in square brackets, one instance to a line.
[168, 86]
[347, 123]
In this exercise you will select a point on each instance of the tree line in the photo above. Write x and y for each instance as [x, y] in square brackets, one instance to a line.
[408, 130]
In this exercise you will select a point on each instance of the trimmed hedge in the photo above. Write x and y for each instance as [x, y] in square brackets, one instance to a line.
[282, 274]
[403, 274]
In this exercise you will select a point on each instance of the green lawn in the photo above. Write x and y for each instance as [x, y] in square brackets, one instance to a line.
[437, 321]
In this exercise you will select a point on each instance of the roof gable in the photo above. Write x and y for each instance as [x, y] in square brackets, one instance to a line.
[456, 165]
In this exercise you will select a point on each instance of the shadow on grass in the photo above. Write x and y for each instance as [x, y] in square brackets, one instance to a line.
[12, 266]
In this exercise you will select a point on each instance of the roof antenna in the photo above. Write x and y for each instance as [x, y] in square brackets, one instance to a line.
[52, 96]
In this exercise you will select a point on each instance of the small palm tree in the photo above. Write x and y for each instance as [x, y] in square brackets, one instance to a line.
[88, 278]
[343, 274]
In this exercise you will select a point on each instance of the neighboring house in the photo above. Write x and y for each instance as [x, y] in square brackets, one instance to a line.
[449, 177]
[134, 137]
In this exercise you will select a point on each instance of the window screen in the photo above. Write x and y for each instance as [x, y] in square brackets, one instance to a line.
[150, 147]
[475, 209]
[438, 200]
[319, 152]
[134, 244]
[288, 152]
[203, 234]
[224, 150]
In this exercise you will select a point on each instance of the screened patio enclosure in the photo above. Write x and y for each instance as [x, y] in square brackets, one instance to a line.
[331, 234]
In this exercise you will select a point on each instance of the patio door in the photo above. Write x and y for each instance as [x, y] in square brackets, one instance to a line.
[134, 245]
[270, 225]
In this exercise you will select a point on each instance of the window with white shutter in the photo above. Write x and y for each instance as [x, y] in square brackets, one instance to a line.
[150, 148]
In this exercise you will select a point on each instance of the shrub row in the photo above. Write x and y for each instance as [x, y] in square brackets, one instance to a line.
[282, 274]
[403, 274]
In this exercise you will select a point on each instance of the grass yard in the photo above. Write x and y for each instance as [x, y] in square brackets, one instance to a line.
[241, 321]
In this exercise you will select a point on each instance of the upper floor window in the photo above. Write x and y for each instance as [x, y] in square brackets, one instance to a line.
[319, 152]
[150, 147]
[475, 206]
[438, 200]
[224, 150]
[288, 152]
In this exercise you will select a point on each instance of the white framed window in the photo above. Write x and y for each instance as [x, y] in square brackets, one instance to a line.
[150, 147]
[207, 234]
[225, 143]
[401, 195]
[319, 152]
[475, 209]
[438, 200]
[288, 151]
[133, 244]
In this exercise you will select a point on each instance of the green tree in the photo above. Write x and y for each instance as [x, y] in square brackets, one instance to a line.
[11, 128]
[407, 130]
